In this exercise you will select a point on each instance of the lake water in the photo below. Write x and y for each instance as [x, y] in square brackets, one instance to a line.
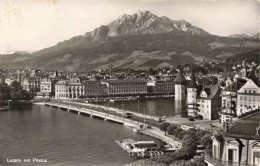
[61, 138]
[151, 106]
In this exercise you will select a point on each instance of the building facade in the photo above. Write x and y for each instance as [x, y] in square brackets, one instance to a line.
[61, 89]
[47, 87]
[31, 83]
[209, 102]
[94, 89]
[126, 87]
[248, 98]
[164, 86]
[238, 145]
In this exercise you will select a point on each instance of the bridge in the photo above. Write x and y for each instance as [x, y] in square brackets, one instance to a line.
[93, 113]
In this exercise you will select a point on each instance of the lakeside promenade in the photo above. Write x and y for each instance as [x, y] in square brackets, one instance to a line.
[209, 126]
[115, 115]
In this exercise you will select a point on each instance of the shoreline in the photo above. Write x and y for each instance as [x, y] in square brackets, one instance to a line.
[154, 132]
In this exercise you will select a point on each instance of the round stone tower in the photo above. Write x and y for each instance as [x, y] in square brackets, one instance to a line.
[180, 88]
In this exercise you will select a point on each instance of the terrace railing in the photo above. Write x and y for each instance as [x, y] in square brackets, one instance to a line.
[217, 162]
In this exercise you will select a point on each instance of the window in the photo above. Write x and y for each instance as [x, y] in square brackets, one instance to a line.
[232, 154]
[249, 91]
[214, 151]
[241, 97]
[256, 158]
[245, 91]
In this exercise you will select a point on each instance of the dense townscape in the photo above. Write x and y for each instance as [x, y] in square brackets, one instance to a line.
[227, 96]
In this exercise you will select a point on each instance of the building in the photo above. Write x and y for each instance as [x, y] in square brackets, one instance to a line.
[31, 83]
[192, 93]
[94, 88]
[76, 90]
[229, 80]
[126, 87]
[69, 89]
[164, 86]
[238, 145]
[180, 87]
[61, 89]
[229, 100]
[209, 102]
[47, 88]
[9, 80]
[248, 97]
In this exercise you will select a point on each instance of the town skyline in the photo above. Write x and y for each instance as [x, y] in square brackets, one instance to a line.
[32, 26]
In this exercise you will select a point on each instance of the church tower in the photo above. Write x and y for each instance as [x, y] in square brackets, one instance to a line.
[192, 92]
[229, 80]
[180, 87]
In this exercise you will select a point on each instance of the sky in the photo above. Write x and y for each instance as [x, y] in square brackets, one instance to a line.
[32, 25]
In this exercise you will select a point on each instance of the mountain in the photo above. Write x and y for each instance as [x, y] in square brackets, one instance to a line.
[139, 41]
[142, 23]
[248, 36]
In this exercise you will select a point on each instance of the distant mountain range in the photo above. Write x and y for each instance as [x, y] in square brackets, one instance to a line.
[247, 36]
[137, 41]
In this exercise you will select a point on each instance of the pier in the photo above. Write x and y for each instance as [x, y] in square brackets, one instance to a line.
[80, 110]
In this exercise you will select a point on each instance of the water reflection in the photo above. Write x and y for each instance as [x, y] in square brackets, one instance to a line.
[153, 106]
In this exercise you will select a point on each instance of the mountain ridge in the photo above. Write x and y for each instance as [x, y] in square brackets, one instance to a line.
[141, 40]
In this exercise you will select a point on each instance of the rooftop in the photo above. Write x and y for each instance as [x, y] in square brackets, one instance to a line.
[211, 90]
[180, 78]
[245, 128]
[235, 86]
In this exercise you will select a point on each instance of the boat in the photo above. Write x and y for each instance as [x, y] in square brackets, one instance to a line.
[140, 149]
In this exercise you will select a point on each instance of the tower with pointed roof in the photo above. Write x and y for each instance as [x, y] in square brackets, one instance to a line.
[192, 92]
[180, 86]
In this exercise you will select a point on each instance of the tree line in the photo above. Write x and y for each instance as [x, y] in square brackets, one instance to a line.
[190, 140]
[14, 92]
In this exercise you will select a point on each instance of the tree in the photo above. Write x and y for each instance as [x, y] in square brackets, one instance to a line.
[25, 95]
[181, 134]
[16, 85]
[15, 94]
[189, 146]
[176, 132]
[164, 126]
[200, 134]
[206, 140]
[16, 91]
[192, 134]
[4, 93]
[170, 130]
